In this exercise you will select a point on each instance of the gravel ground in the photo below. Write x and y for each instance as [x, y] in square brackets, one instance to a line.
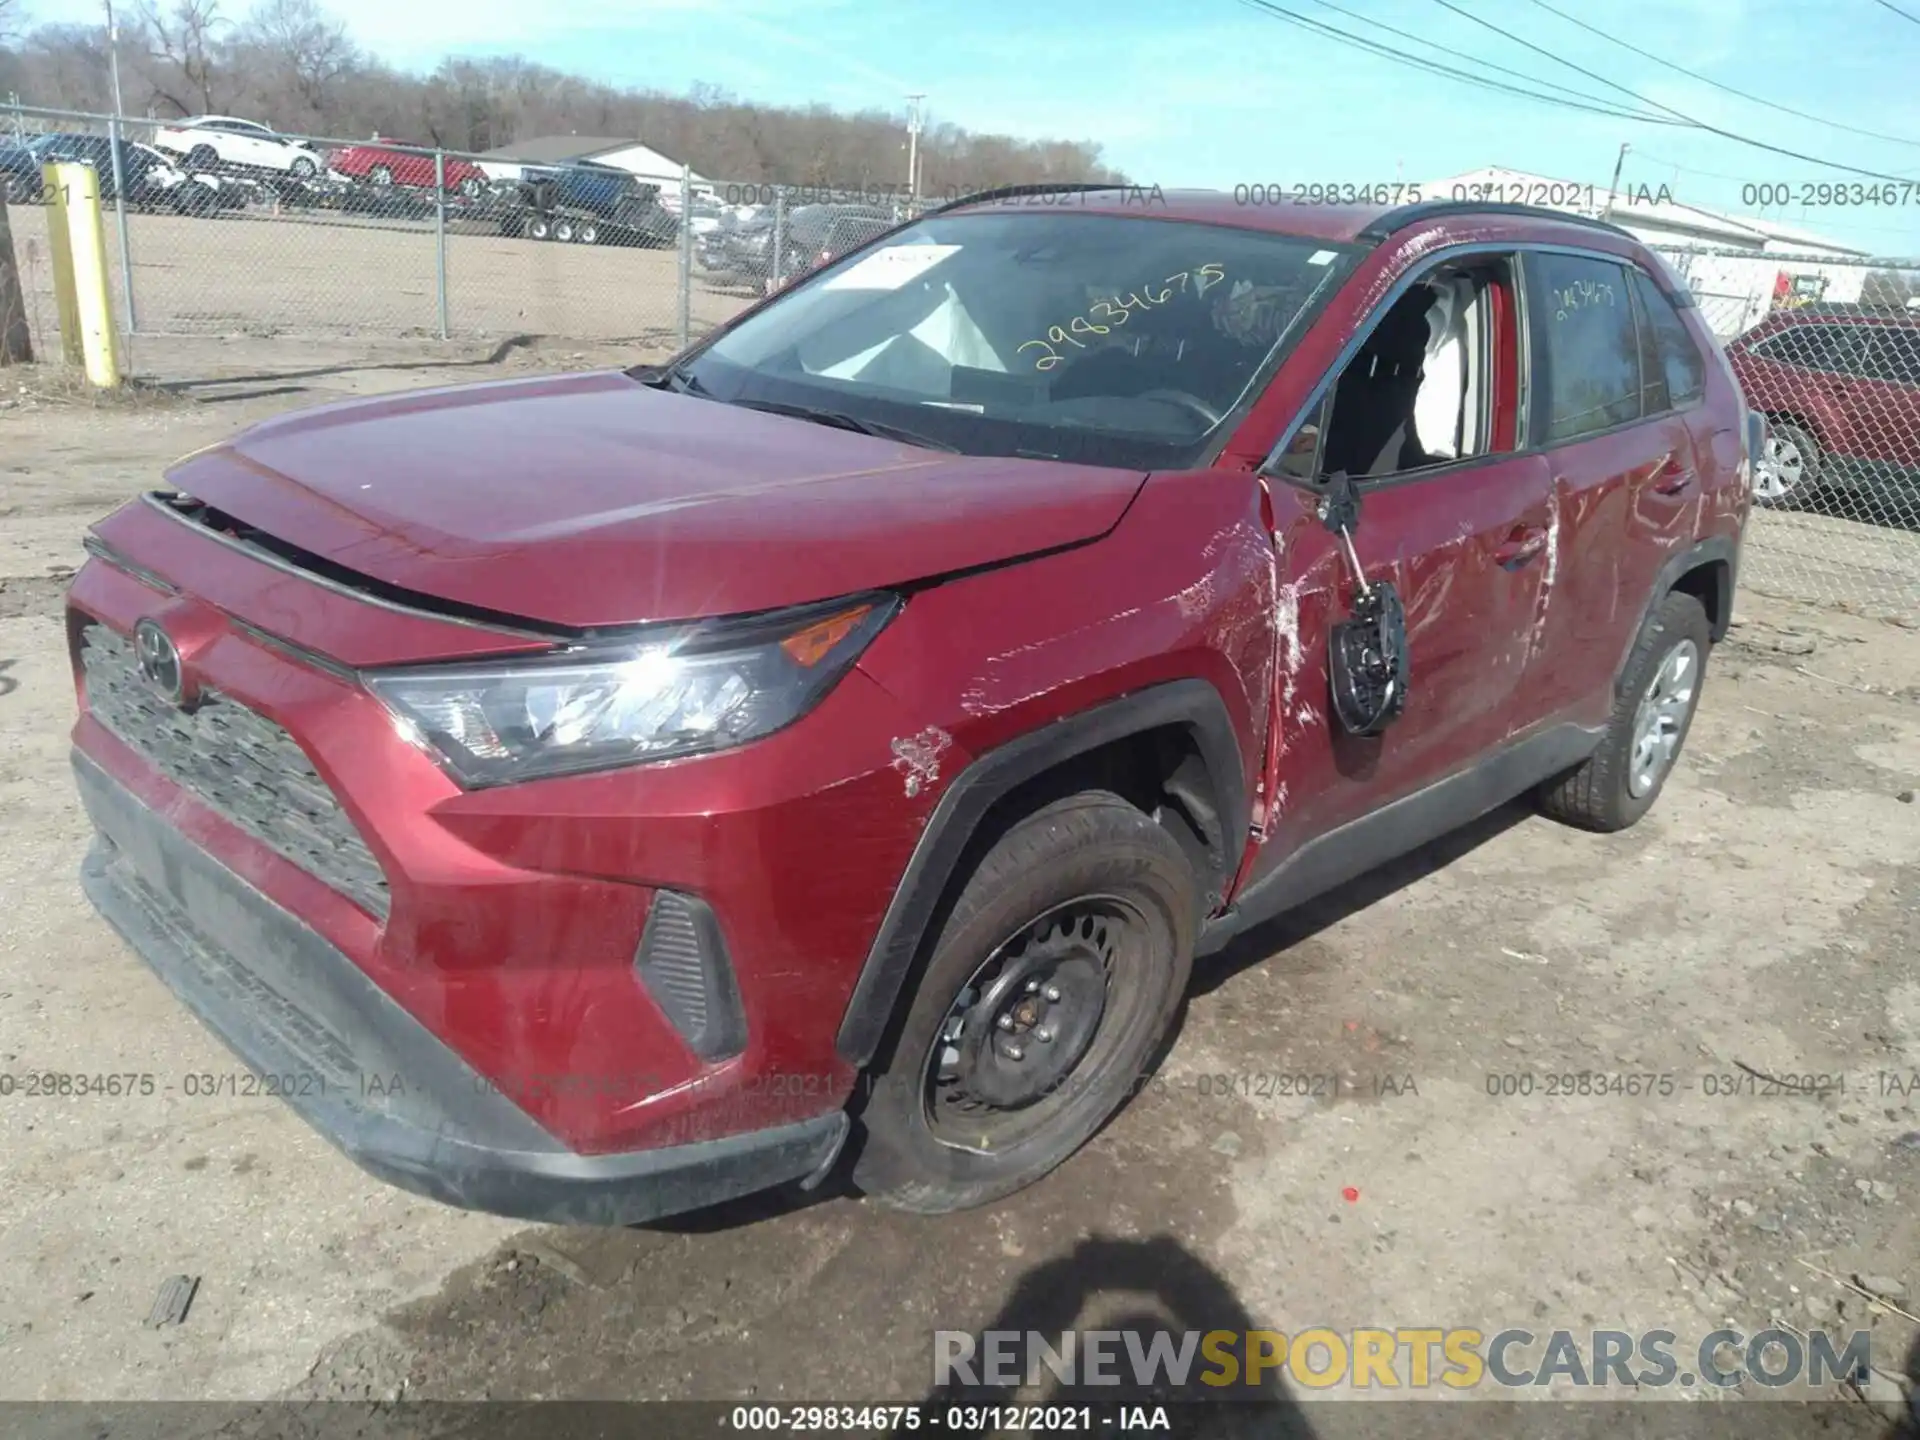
[1752, 927]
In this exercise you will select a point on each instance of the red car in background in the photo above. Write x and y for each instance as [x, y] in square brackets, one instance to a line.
[1841, 386]
[384, 161]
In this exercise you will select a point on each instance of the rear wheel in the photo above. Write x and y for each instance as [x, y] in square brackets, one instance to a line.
[1789, 467]
[1652, 713]
[1049, 989]
[563, 230]
[302, 168]
[539, 228]
[588, 233]
[202, 157]
[380, 175]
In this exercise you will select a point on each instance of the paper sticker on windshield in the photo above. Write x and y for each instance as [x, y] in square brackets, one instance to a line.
[890, 268]
[1322, 257]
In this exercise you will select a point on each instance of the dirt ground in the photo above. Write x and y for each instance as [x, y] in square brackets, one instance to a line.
[1761, 922]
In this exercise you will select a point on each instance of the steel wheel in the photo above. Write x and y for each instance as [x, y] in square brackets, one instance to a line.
[1781, 468]
[1023, 1035]
[1662, 718]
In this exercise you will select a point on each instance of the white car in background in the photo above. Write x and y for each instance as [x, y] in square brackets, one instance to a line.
[212, 142]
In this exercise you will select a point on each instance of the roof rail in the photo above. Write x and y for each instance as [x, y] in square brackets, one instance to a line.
[1405, 215]
[1038, 187]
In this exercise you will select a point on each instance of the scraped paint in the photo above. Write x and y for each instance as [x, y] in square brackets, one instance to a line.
[918, 757]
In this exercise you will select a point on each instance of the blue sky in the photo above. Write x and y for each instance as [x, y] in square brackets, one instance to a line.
[1213, 93]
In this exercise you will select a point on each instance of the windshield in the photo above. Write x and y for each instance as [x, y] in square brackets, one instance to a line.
[1101, 339]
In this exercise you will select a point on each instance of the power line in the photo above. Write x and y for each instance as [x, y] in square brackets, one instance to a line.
[1680, 115]
[1729, 89]
[1907, 15]
[1419, 62]
[1611, 106]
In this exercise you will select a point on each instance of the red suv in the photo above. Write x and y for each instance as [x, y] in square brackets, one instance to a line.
[394, 162]
[593, 796]
[1840, 386]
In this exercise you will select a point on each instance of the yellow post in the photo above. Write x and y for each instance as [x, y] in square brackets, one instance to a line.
[80, 278]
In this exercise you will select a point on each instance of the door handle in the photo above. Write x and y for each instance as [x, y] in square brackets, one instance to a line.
[1524, 544]
[1673, 476]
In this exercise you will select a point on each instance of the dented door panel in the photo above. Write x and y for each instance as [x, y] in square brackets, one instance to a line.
[1447, 542]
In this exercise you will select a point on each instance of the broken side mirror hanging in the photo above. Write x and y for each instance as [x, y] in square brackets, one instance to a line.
[1367, 661]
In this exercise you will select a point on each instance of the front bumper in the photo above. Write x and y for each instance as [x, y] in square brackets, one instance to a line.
[367, 1075]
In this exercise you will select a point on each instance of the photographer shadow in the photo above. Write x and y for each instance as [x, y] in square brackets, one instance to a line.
[1171, 1290]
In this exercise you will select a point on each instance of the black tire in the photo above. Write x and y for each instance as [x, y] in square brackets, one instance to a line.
[539, 227]
[1786, 439]
[587, 234]
[203, 157]
[302, 168]
[563, 230]
[1091, 872]
[1600, 793]
[381, 175]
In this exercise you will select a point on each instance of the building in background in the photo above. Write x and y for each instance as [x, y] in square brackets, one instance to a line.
[507, 161]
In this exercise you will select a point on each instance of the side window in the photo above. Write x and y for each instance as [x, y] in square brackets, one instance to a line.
[1679, 358]
[1586, 351]
[1419, 392]
[1891, 352]
[1831, 348]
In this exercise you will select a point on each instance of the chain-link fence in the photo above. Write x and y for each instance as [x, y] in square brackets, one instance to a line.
[1829, 349]
[221, 227]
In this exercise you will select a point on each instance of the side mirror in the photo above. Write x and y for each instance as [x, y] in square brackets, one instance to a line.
[1368, 667]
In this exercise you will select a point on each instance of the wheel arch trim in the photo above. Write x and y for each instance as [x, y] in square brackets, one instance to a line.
[1722, 550]
[1191, 704]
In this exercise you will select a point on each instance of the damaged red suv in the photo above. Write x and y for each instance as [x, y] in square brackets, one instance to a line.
[591, 797]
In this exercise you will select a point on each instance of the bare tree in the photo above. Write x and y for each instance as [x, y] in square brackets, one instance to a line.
[298, 46]
[184, 48]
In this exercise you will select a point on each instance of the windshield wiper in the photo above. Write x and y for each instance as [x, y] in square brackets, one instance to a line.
[668, 377]
[842, 421]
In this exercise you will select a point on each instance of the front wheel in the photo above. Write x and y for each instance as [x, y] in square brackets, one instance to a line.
[1652, 713]
[380, 175]
[303, 168]
[1049, 990]
[471, 187]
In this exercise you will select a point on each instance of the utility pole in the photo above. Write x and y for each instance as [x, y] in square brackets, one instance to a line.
[116, 141]
[913, 149]
[1614, 188]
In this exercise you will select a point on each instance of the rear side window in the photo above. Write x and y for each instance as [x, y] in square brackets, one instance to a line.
[1891, 352]
[1679, 358]
[1831, 348]
[1586, 351]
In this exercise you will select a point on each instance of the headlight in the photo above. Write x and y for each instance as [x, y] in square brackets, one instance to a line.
[680, 690]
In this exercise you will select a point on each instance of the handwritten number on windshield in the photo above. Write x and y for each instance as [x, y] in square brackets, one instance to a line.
[1116, 311]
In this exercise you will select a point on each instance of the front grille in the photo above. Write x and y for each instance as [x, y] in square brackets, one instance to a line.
[240, 763]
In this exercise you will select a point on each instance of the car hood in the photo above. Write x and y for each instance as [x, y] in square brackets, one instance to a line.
[588, 500]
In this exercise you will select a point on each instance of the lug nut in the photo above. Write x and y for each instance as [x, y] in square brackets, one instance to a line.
[1053, 992]
[1032, 986]
[1044, 1034]
[1005, 1022]
[1014, 1052]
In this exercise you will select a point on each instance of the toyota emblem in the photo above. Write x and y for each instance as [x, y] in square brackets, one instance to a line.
[160, 660]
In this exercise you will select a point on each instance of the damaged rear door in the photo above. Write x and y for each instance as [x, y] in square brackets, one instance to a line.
[1626, 477]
